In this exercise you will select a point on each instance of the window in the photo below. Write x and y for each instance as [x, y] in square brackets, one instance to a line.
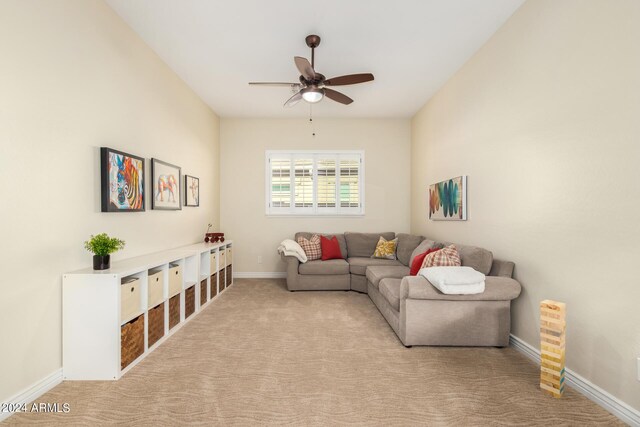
[315, 182]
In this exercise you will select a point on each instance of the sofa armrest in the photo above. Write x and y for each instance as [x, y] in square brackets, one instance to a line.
[496, 289]
[502, 268]
[292, 264]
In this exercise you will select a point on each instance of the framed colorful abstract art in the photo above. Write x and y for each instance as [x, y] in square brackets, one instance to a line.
[448, 199]
[191, 191]
[166, 180]
[122, 181]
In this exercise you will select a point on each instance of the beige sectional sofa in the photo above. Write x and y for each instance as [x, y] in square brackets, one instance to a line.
[418, 313]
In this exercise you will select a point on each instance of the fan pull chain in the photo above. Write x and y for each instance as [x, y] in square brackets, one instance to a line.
[313, 125]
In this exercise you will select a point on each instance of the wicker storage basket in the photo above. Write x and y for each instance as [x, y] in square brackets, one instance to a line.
[190, 301]
[203, 292]
[228, 275]
[214, 285]
[155, 324]
[131, 341]
[174, 311]
[223, 279]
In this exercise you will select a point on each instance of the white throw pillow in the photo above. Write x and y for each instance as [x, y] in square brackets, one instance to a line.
[455, 280]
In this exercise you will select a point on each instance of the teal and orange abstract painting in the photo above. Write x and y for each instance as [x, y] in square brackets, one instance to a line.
[448, 199]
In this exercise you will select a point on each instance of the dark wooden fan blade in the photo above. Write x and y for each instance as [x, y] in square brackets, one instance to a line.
[293, 100]
[304, 67]
[350, 79]
[273, 84]
[337, 96]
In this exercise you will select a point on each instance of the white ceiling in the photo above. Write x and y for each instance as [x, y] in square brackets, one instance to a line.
[411, 46]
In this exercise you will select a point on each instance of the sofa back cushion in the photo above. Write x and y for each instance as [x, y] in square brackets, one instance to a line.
[406, 245]
[477, 258]
[364, 244]
[340, 237]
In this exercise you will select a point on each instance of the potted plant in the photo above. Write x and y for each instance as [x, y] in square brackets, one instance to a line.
[102, 246]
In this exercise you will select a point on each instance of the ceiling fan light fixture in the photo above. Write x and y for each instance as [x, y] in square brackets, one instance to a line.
[312, 94]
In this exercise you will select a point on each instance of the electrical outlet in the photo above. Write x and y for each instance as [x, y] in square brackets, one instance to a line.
[259, 259]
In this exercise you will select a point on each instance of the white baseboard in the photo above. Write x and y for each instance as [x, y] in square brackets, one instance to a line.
[260, 275]
[34, 391]
[609, 402]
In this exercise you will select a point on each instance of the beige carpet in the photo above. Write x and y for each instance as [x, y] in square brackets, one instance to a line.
[262, 355]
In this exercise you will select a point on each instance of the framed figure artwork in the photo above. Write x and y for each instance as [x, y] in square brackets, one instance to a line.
[191, 191]
[166, 188]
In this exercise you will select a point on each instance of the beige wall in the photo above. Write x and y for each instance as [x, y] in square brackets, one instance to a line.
[544, 120]
[242, 192]
[73, 78]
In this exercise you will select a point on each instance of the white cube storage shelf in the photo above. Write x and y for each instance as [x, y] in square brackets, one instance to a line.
[103, 311]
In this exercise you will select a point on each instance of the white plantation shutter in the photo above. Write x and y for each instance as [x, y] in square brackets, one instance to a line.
[315, 183]
[280, 183]
[326, 178]
[349, 183]
[303, 182]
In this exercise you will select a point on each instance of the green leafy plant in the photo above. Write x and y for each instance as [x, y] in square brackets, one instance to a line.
[102, 244]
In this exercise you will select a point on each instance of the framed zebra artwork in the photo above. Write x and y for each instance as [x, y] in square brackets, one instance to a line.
[121, 181]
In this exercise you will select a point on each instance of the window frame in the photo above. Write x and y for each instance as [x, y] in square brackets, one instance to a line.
[292, 211]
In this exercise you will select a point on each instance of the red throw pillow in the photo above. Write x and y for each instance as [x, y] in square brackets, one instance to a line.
[330, 248]
[417, 261]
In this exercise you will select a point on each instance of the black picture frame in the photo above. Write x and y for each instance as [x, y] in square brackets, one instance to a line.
[127, 192]
[188, 187]
[159, 170]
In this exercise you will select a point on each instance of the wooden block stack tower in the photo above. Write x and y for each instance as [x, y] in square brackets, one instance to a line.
[552, 344]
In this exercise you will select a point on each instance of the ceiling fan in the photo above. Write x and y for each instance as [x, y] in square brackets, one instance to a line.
[313, 85]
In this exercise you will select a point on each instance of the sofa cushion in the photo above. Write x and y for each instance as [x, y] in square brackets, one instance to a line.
[378, 272]
[477, 258]
[423, 247]
[358, 265]
[406, 244]
[390, 290]
[341, 241]
[330, 267]
[364, 244]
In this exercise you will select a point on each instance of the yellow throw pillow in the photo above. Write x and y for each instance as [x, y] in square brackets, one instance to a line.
[385, 249]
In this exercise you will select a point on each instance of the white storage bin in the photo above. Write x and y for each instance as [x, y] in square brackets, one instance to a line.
[222, 259]
[229, 255]
[175, 279]
[129, 299]
[155, 292]
[214, 257]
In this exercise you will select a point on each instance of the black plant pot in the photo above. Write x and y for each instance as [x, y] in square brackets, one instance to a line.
[101, 262]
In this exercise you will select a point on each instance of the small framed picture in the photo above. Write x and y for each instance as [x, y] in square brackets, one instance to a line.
[166, 188]
[191, 191]
[121, 181]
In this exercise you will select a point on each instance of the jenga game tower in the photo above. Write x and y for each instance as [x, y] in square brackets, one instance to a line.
[552, 341]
